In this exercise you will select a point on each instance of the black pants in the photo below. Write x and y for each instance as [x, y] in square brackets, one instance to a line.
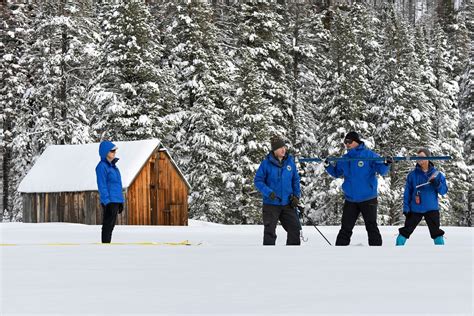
[109, 219]
[350, 213]
[413, 219]
[288, 219]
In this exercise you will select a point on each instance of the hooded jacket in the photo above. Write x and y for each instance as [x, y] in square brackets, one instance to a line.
[360, 181]
[428, 194]
[109, 181]
[281, 178]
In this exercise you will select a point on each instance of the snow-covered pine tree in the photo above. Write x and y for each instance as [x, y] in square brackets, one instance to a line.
[458, 38]
[262, 31]
[310, 65]
[466, 108]
[427, 76]
[343, 107]
[130, 91]
[251, 127]
[447, 139]
[263, 103]
[164, 13]
[14, 27]
[226, 19]
[170, 114]
[60, 44]
[59, 69]
[203, 86]
[366, 26]
[405, 115]
[310, 52]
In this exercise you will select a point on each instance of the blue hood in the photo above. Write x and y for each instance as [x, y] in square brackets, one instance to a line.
[109, 180]
[104, 149]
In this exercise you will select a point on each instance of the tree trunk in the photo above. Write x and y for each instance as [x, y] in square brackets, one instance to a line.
[5, 159]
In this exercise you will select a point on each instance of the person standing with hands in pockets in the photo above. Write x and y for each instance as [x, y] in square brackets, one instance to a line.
[279, 182]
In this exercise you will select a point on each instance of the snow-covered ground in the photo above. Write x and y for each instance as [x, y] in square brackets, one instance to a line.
[230, 272]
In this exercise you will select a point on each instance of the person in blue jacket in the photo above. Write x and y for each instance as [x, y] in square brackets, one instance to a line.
[109, 183]
[278, 180]
[359, 187]
[420, 199]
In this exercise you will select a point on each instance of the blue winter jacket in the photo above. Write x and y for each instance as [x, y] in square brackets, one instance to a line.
[281, 178]
[428, 194]
[360, 181]
[109, 181]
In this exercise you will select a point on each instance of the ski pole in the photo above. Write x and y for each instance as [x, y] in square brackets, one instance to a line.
[307, 217]
[301, 226]
[297, 212]
[396, 159]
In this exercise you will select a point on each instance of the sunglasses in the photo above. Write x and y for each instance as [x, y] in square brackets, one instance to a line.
[113, 150]
[348, 141]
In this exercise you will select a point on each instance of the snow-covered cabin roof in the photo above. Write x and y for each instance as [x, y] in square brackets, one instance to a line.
[71, 168]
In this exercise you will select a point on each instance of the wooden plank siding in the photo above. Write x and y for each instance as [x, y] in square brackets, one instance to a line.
[71, 207]
[157, 196]
[173, 194]
[138, 198]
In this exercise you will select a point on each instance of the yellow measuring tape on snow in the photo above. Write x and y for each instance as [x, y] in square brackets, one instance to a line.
[142, 243]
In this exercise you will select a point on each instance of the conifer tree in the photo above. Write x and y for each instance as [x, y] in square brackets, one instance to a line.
[203, 82]
[405, 114]
[447, 139]
[130, 91]
[14, 28]
[53, 107]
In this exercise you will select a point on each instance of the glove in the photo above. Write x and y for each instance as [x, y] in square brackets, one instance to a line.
[326, 163]
[300, 211]
[434, 178]
[407, 214]
[273, 196]
[294, 201]
[120, 209]
[388, 160]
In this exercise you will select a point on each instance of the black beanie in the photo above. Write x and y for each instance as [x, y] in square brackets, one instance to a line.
[277, 142]
[353, 136]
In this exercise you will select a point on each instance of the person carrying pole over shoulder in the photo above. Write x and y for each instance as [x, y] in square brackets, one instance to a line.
[359, 187]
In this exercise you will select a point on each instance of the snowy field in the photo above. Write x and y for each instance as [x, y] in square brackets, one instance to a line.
[230, 272]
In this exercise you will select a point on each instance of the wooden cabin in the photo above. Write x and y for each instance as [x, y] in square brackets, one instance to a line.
[62, 186]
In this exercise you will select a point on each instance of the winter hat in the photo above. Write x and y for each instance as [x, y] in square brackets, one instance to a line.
[277, 142]
[426, 151]
[353, 136]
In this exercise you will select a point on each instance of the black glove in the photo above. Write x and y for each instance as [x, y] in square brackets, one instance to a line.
[300, 211]
[120, 209]
[388, 160]
[407, 214]
[326, 163]
[294, 201]
[434, 178]
[273, 196]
